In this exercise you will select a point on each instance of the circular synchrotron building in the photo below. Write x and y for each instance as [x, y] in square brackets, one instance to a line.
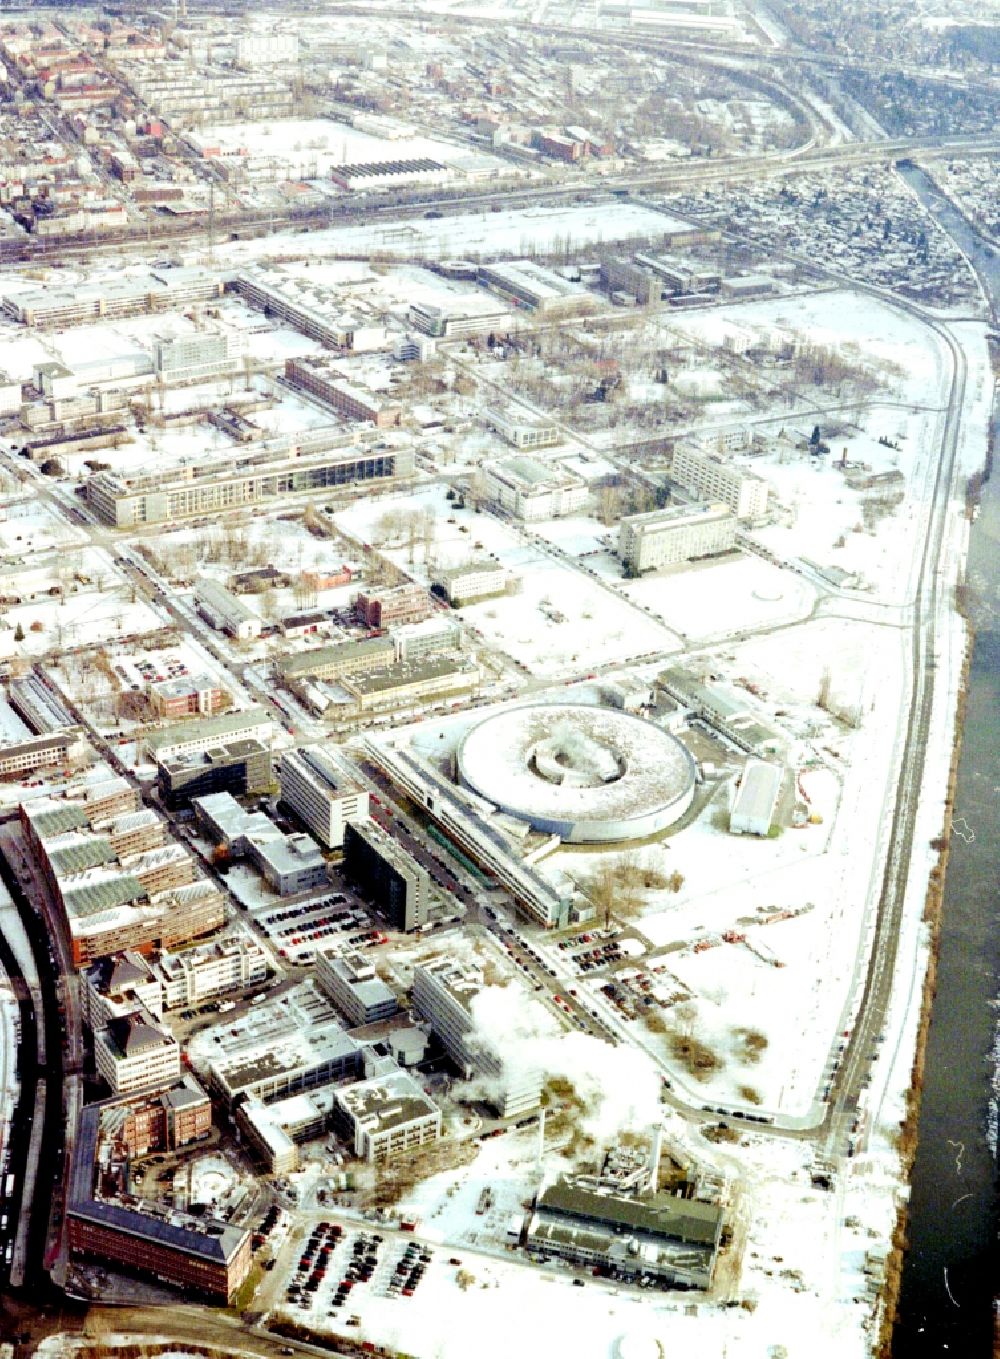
[589, 775]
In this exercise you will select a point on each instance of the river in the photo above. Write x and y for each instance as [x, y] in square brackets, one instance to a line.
[950, 1275]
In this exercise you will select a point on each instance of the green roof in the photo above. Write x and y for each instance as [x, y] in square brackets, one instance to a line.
[81, 855]
[58, 820]
[104, 895]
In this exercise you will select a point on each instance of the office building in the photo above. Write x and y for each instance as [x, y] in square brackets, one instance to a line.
[275, 1130]
[201, 734]
[473, 832]
[282, 1060]
[211, 969]
[40, 752]
[531, 490]
[470, 582]
[320, 375]
[524, 433]
[386, 1116]
[443, 993]
[185, 695]
[321, 793]
[710, 477]
[408, 603]
[681, 533]
[356, 989]
[164, 1121]
[118, 985]
[187, 491]
[289, 863]
[450, 317]
[241, 766]
[387, 875]
[195, 357]
[523, 283]
[106, 1221]
[416, 683]
[110, 901]
[133, 1053]
[343, 658]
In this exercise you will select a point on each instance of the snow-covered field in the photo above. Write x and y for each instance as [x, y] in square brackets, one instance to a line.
[499, 233]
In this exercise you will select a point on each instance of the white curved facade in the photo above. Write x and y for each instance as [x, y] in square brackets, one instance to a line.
[589, 775]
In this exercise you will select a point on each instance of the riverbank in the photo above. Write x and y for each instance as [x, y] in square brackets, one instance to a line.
[933, 908]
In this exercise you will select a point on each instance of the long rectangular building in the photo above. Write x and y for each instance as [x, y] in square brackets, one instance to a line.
[713, 478]
[388, 876]
[443, 992]
[472, 832]
[186, 492]
[321, 793]
[679, 533]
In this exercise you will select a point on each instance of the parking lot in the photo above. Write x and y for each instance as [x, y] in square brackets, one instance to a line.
[330, 924]
[339, 1268]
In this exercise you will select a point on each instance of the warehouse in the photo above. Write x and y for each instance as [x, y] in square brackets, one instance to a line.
[756, 799]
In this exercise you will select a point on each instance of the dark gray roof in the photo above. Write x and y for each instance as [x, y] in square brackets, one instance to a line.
[117, 971]
[659, 1214]
[132, 1034]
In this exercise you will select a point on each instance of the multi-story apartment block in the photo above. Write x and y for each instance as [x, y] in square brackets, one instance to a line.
[321, 793]
[678, 534]
[710, 477]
